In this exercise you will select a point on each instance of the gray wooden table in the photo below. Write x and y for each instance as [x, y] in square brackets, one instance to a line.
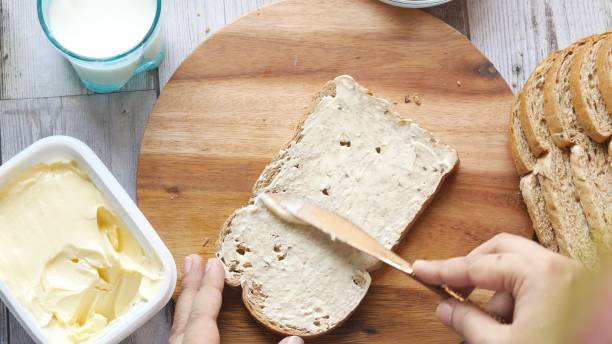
[40, 94]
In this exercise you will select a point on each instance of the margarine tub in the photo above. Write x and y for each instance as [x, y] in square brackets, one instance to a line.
[79, 262]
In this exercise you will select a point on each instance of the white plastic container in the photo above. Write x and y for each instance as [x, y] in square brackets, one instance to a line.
[56, 148]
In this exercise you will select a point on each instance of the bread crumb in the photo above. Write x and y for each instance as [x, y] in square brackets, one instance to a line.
[206, 240]
[404, 121]
[174, 192]
[514, 83]
[459, 83]
[407, 99]
[207, 30]
[394, 103]
[417, 99]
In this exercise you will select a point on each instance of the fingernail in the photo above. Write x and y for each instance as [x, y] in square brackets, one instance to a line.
[292, 340]
[444, 312]
[188, 264]
[209, 264]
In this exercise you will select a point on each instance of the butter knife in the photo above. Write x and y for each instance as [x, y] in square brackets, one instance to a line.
[296, 210]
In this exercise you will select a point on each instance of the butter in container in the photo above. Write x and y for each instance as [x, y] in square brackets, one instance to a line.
[79, 262]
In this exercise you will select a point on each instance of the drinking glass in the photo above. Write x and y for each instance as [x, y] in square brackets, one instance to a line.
[109, 74]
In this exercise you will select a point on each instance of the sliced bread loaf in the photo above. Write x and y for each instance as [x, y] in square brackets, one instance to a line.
[586, 96]
[353, 156]
[519, 148]
[531, 110]
[604, 70]
[592, 172]
[558, 109]
[563, 207]
[532, 195]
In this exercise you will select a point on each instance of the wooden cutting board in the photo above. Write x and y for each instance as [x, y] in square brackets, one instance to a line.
[238, 97]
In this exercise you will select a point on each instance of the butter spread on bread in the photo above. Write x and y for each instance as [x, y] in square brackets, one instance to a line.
[354, 156]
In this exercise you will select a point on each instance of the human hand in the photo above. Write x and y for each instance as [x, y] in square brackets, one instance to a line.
[198, 306]
[526, 279]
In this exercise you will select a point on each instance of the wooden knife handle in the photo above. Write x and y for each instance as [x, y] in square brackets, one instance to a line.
[446, 292]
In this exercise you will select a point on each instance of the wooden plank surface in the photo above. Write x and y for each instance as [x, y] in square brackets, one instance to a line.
[517, 34]
[212, 132]
[506, 31]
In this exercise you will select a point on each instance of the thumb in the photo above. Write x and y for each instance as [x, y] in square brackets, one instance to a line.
[292, 340]
[471, 323]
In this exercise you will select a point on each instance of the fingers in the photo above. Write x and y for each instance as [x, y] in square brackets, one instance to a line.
[194, 270]
[206, 306]
[451, 271]
[292, 340]
[502, 304]
[508, 243]
[470, 323]
[499, 272]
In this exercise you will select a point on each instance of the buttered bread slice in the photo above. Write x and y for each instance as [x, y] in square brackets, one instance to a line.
[351, 155]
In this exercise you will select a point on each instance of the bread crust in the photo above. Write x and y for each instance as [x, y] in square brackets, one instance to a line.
[558, 189]
[604, 71]
[590, 165]
[534, 200]
[579, 98]
[552, 111]
[523, 161]
[537, 143]
[267, 176]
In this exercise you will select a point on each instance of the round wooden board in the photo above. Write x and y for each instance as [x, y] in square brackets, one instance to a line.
[237, 98]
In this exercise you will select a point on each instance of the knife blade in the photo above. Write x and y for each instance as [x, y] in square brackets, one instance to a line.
[297, 210]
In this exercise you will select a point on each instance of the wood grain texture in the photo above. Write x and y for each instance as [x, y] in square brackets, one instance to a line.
[454, 13]
[492, 26]
[516, 35]
[4, 322]
[237, 98]
[194, 21]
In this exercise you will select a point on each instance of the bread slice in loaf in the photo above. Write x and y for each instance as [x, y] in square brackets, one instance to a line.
[563, 207]
[592, 171]
[586, 96]
[604, 70]
[532, 195]
[519, 148]
[558, 109]
[351, 155]
[531, 110]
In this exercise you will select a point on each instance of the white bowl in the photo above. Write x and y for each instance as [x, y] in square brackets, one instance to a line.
[415, 3]
[56, 148]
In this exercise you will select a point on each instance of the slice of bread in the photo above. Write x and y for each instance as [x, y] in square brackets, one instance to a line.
[531, 109]
[351, 155]
[532, 195]
[587, 98]
[592, 171]
[563, 207]
[558, 109]
[604, 70]
[519, 148]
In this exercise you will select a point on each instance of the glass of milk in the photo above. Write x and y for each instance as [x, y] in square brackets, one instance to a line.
[106, 41]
